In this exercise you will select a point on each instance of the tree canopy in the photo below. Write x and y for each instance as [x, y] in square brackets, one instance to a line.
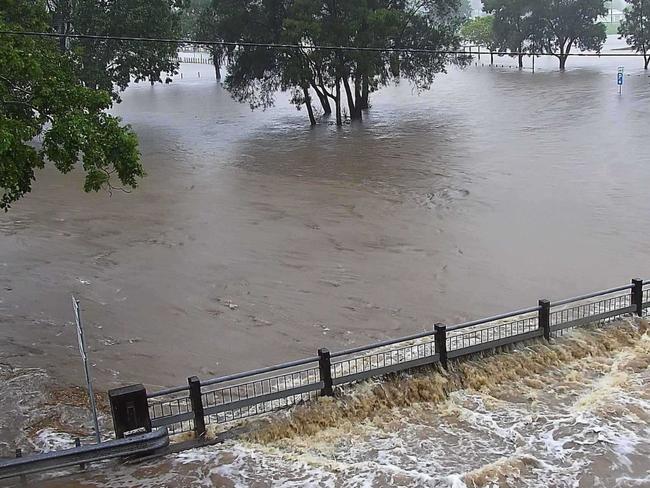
[255, 74]
[635, 27]
[513, 26]
[41, 97]
[550, 26]
[480, 31]
[105, 64]
[561, 25]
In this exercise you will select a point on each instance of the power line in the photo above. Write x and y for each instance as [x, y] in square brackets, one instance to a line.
[301, 46]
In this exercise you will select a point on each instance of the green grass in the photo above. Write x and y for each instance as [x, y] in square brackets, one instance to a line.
[612, 27]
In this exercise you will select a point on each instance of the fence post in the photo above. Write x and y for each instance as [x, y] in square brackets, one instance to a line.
[197, 405]
[325, 367]
[637, 296]
[545, 318]
[440, 338]
[77, 443]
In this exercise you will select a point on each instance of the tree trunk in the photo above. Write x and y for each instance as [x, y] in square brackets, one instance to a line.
[357, 101]
[563, 58]
[354, 113]
[217, 68]
[324, 101]
[491, 58]
[521, 61]
[647, 61]
[310, 110]
[365, 93]
[339, 120]
[216, 61]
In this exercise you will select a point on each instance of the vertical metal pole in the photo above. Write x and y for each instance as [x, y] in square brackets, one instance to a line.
[84, 357]
[325, 368]
[533, 63]
[637, 296]
[197, 406]
[440, 338]
[544, 320]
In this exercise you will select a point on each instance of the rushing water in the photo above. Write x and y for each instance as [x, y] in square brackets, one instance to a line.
[255, 239]
[572, 414]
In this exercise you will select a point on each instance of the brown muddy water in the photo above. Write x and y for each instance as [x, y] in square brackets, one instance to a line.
[255, 239]
[571, 414]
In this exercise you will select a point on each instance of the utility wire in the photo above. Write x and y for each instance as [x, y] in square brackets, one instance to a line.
[300, 46]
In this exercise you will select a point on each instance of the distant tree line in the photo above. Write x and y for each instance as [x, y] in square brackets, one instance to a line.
[555, 27]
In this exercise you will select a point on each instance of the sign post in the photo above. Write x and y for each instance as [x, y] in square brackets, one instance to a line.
[84, 357]
[620, 79]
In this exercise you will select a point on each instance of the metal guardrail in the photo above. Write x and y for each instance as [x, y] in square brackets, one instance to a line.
[140, 444]
[241, 395]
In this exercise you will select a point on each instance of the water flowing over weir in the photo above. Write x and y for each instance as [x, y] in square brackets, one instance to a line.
[574, 413]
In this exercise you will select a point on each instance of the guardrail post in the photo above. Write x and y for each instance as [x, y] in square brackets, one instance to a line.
[197, 406]
[637, 296]
[19, 454]
[129, 409]
[440, 339]
[544, 320]
[77, 443]
[325, 367]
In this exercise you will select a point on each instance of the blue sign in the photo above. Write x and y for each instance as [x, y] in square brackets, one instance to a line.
[620, 79]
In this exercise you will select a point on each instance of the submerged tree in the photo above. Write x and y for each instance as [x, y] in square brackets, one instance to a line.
[335, 76]
[560, 25]
[512, 25]
[105, 64]
[200, 23]
[635, 28]
[480, 31]
[41, 96]
[206, 28]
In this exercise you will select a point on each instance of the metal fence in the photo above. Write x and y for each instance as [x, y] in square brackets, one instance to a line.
[193, 58]
[234, 397]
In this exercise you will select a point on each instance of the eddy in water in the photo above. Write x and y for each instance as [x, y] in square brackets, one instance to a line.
[574, 413]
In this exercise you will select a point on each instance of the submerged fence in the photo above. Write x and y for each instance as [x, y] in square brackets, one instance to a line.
[228, 398]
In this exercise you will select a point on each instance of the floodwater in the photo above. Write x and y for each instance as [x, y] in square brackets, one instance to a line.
[256, 239]
[574, 414]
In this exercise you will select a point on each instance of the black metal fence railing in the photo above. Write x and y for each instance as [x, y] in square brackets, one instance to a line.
[235, 401]
[234, 397]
